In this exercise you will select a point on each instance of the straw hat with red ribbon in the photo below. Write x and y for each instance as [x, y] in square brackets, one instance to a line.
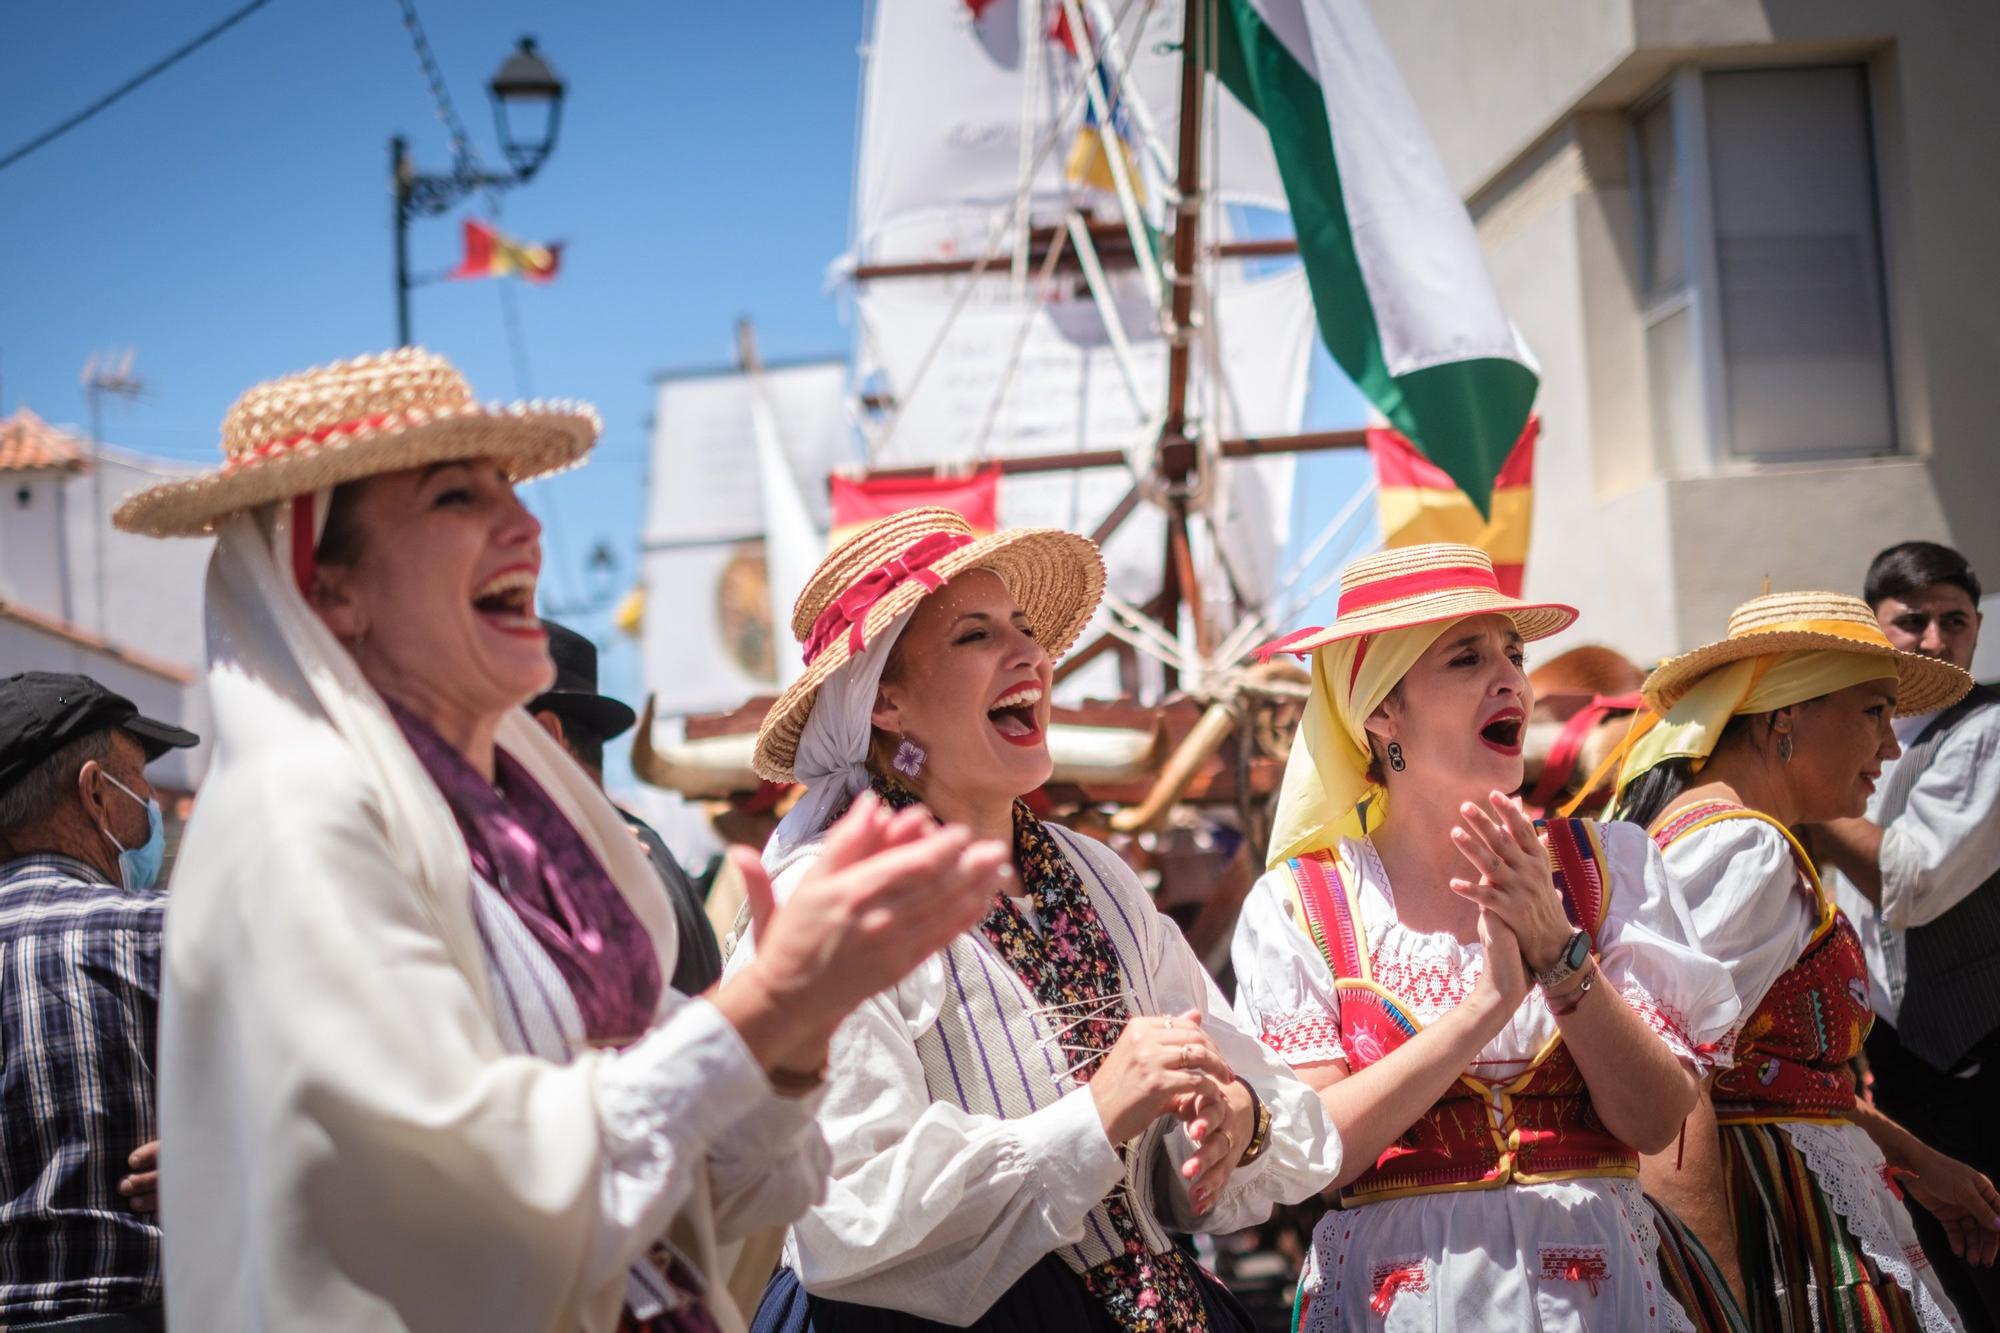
[1406, 586]
[886, 568]
[1393, 606]
[306, 432]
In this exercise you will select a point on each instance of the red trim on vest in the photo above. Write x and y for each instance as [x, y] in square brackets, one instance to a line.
[1549, 1126]
[1800, 1040]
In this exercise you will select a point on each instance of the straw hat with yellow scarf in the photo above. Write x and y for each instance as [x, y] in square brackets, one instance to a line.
[1393, 606]
[1782, 649]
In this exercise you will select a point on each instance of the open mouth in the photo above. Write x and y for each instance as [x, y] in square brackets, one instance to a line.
[1013, 715]
[1504, 732]
[507, 601]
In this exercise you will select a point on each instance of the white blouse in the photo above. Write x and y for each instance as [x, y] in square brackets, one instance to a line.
[963, 1151]
[1587, 1248]
[686, 1101]
[1743, 888]
[1944, 845]
[1645, 950]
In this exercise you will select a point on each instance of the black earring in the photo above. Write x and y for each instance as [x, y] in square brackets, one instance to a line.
[1396, 757]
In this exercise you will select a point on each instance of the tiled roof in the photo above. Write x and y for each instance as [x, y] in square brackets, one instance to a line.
[28, 443]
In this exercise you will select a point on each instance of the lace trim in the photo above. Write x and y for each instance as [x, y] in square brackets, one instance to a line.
[1848, 1167]
[1306, 1039]
[1638, 1215]
[1669, 1023]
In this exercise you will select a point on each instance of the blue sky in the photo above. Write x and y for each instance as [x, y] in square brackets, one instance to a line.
[231, 220]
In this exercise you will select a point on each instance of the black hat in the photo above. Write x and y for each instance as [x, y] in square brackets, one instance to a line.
[574, 696]
[42, 711]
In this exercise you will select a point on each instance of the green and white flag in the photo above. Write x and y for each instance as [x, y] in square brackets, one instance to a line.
[1402, 294]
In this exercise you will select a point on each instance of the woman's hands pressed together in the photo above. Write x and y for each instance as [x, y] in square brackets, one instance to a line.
[1220, 1124]
[1515, 883]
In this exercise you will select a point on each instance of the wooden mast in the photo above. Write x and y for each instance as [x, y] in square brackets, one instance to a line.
[1175, 464]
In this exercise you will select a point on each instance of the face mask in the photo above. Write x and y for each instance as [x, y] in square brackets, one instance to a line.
[139, 866]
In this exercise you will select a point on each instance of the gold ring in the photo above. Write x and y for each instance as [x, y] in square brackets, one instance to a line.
[1187, 1056]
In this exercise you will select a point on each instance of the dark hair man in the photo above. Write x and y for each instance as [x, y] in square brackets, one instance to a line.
[581, 719]
[80, 914]
[1920, 876]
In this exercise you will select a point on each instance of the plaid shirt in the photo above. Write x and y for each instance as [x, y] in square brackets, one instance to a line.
[79, 1018]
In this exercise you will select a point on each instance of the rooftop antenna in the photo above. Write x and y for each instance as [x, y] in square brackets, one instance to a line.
[109, 374]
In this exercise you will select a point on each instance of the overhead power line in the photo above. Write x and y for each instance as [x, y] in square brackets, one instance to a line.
[144, 76]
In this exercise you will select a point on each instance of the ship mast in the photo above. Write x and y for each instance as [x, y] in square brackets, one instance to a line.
[1177, 453]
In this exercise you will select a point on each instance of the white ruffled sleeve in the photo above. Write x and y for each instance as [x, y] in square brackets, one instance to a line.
[1303, 1153]
[1284, 989]
[691, 1083]
[1648, 948]
[931, 1209]
[1742, 891]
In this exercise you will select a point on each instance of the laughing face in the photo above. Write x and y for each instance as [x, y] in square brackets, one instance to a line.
[428, 575]
[1461, 711]
[970, 684]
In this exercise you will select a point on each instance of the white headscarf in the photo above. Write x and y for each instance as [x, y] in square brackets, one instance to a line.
[328, 1053]
[832, 758]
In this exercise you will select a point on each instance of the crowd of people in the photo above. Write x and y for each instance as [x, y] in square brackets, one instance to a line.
[429, 1035]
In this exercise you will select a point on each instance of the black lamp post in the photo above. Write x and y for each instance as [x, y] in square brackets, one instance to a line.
[527, 109]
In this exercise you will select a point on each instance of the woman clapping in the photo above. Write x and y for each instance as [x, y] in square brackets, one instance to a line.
[1016, 1126]
[420, 1067]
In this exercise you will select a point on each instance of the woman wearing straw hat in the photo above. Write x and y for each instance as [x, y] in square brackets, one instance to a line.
[1017, 1124]
[1783, 723]
[1499, 1017]
[419, 1065]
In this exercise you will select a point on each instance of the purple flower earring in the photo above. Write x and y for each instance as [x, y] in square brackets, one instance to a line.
[909, 758]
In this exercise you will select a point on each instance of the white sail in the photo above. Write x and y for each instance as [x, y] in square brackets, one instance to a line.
[711, 636]
[942, 116]
[1066, 393]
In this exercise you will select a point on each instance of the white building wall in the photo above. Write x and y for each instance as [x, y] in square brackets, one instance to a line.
[30, 526]
[1528, 100]
[152, 586]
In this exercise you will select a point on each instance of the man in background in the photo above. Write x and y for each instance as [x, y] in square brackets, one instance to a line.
[81, 841]
[1919, 873]
[582, 720]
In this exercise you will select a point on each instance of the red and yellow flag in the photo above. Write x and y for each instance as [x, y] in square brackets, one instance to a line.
[976, 497]
[493, 254]
[1419, 503]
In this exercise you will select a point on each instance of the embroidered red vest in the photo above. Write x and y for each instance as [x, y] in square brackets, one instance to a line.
[1794, 1050]
[1536, 1126]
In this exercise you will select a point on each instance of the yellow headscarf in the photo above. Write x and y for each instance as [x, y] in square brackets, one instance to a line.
[1692, 728]
[1326, 793]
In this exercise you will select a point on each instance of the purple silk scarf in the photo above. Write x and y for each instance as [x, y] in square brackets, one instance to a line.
[522, 845]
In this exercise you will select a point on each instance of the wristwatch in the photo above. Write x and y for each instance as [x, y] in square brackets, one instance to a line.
[1260, 1132]
[1573, 954]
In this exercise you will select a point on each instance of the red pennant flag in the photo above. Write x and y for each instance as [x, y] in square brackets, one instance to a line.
[493, 254]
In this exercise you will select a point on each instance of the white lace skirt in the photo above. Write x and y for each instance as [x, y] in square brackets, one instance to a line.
[1559, 1258]
[1849, 1169]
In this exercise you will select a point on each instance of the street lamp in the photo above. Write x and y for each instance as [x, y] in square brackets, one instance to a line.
[527, 95]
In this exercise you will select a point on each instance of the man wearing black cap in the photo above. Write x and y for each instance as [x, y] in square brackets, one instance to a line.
[81, 842]
[583, 720]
